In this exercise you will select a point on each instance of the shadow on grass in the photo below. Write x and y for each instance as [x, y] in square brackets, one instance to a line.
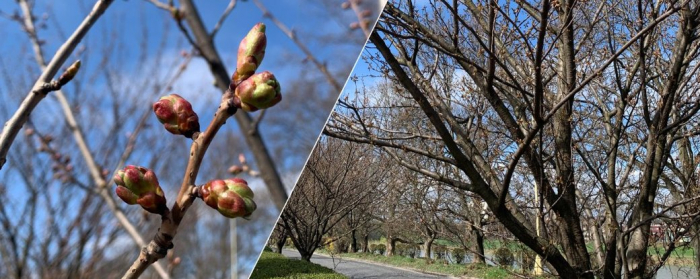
[273, 265]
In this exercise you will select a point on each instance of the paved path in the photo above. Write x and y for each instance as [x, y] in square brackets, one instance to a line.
[357, 270]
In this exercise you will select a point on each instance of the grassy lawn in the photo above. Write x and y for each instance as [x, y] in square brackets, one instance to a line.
[273, 265]
[471, 270]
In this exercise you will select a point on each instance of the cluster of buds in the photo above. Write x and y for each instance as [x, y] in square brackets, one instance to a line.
[231, 197]
[363, 14]
[242, 168]
[177, 115]
[258, 92]
[139, 185]
[62, 167]
[254, 91]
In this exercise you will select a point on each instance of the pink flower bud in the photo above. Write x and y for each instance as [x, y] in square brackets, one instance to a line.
[231, 197]
[139, 185]
[235, 169]
[260, 91]
[251, 51]
[177, 115]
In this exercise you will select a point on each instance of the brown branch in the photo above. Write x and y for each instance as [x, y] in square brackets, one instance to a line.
[162, 241]
[34, 96]
[93, 167]
[255, 141]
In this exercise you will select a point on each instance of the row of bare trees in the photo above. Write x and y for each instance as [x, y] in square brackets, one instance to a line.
[573, 121]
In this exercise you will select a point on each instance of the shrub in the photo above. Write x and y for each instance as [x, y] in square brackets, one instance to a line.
[504, 257]
[372, 248]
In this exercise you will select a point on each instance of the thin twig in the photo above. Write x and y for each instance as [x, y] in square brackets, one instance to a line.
[20, 117]
[256, 122]
[168, 7]
[177, 15]
[292, 35]
[95, 170]
[223, 17]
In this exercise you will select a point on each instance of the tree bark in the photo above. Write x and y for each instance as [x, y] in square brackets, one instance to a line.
[280, 242]
[365, 243]
[573, 243]
[427, 247]
[696, 246]
[353, 241]
[390, 246]
[478, 243]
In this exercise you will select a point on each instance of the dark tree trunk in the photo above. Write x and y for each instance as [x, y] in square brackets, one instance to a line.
[573, 243]
[306, 256]
[353, 241]
[280, 244]
[281, 240]
[365, 243]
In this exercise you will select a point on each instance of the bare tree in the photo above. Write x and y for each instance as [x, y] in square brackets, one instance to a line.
[561, 96]
[330, 187]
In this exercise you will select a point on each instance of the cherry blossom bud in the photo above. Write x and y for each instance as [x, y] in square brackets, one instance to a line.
[177, 115]
[251, 51]
[260, 91]
[231, 197]
[139, 185]
[235, 169]
[69, 74]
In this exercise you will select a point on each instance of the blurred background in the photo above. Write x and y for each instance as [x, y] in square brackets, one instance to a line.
[53, 221]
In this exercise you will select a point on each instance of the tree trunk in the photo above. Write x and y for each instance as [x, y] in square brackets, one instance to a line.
[571, 233]
[280, 244]
[390, 246]
[478, 243]
[365, 243]
[427, 246]
[696, 246]
[281, 240]
[353, 242]
[306, 256]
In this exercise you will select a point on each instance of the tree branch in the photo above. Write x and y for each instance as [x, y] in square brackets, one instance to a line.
[33, 98]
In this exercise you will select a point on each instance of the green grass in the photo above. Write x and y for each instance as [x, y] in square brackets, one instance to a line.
[437, 266]
[273, 265]
[680, 252]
